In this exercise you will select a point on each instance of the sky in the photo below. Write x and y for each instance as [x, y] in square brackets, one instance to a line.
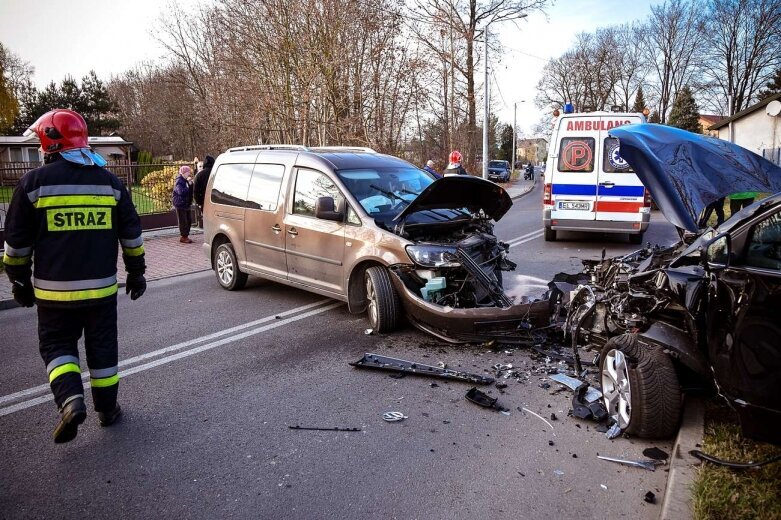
[111, 36]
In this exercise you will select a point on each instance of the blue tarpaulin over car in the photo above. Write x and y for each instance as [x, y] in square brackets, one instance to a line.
[685, 172]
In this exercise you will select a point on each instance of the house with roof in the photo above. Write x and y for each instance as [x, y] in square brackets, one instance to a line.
[756, 128]
[17, 149]
[707, 120]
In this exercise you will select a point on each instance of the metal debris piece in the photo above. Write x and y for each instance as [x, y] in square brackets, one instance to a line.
[558, 472]
[650, 465]
[614, 431]
[399, 365]
[586, 410]
[650, 497]
[656, 454]
[592, 394]
[335, 429]
[368, 332]
[393, 416]
[541, 418]
[481, 398]
[442, 364]
[734, 465]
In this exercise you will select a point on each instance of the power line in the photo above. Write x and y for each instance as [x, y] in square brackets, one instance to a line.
[526, 53]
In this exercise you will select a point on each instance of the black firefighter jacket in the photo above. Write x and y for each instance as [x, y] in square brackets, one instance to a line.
[67, 220]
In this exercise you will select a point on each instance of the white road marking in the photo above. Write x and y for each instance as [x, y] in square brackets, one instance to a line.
[527, 238]
[235, 337]
[522, 236]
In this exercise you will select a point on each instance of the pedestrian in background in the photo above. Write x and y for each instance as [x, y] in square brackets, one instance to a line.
[199, 185]
[70, 216]
[429, 167]
[738, 201]
[182, 200]
[718, 207]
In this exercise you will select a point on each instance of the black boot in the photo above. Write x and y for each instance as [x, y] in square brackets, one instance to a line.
[71, 416]
[109, 418]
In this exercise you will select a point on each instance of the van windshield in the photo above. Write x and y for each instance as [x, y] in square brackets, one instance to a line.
[385, 190]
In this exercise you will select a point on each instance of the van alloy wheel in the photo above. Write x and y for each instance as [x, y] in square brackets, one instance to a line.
[616, 387]
[225, 267]
[371, 297]
[382, 302]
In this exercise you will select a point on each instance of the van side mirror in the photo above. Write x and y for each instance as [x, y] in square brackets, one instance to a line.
[325, 209]
[717, 252]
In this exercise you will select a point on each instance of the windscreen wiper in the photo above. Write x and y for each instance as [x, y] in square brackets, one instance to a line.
[389, 194]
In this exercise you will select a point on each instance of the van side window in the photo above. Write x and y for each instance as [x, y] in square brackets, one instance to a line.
[612, 162]
[231, 184]
[576, 154]
[352, 216]
[764, 248]
[309, 186]
[264, 187]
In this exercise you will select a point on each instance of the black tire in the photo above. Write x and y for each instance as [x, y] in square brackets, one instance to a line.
[655, 395]
[636, 238]
[550, 235]
[383, 304]
[226, 267]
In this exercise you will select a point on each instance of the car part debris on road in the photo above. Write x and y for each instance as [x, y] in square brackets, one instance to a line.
[393, 416]
[614, 431]
[317, 428]
[650, 465]
[538, 416]
[583, 409]
[481, 398]
[656, 454]
[410, 367]
[650, 497]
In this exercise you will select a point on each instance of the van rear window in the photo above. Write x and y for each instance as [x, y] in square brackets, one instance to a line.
[576, 154]
[231, 184]
[612, 162]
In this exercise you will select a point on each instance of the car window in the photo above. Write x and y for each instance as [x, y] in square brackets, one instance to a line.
[497, 164]
[310, 185]
[352, 216]
[612, 162]
[264, 186]
[385, 190]
[764, 246]
[576, 154]
[231, 183]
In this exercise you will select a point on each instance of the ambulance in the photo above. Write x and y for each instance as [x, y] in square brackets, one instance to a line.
[588, 186]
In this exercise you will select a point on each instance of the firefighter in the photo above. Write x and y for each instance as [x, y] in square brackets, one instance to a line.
[69, 216]
[454, 166]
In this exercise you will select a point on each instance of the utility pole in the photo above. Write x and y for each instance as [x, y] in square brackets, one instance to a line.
[515, 138]
[485, 107]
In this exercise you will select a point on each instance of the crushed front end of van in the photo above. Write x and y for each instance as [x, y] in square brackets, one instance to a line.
[453, 288]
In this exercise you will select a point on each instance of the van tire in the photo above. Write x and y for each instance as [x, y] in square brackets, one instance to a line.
[636, 238]
[382, 300]
[550, 235]
[655, 395]
[226, 267]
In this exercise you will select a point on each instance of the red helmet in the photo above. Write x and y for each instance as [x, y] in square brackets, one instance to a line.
[455, 157]
[59, 130]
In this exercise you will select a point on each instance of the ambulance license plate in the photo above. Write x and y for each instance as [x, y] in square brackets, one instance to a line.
[574, 205]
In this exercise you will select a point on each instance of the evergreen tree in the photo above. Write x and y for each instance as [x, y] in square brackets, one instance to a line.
[773, 86]
[639, 105]
[97, 107]
[655, 117]
[505, 143]
[685, 114]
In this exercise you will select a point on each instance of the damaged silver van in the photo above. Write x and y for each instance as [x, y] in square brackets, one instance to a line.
[368, 229]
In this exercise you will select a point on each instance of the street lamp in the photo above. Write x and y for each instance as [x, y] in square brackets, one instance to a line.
[515, 135]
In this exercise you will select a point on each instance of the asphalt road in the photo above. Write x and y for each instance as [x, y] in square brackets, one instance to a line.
[212, 380]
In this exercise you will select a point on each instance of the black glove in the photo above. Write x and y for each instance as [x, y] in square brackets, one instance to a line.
[23, 293]
[135, 285]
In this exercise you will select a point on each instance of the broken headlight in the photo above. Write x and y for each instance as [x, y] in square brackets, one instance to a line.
[433, 256]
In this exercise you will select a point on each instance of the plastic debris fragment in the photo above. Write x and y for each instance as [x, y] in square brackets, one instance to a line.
[614, 431]
[650, 497]
[393, 416]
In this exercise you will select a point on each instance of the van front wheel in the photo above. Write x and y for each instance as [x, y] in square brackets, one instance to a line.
[227, 269]
[383, 302]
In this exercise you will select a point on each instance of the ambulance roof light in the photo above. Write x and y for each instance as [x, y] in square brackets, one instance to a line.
[569, 108]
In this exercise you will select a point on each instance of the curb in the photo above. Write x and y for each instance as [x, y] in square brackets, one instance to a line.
[528, 190]
[677, 503]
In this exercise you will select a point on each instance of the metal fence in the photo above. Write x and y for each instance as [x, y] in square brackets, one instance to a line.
[149, 185]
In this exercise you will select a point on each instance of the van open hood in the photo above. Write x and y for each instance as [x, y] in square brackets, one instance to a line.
[461, 191]
[685, 172]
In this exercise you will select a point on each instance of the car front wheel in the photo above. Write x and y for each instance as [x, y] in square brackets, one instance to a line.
[226, 267]
[640, 387]
[382, 301]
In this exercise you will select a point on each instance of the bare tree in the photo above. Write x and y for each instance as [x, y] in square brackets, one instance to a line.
[743, 49]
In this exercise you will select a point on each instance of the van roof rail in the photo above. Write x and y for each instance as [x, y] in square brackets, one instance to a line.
[363, 149]
[269, 147]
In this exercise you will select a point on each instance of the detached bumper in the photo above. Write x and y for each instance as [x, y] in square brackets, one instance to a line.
[509, 325]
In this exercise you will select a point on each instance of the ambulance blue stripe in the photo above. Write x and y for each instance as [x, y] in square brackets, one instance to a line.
[590, 189]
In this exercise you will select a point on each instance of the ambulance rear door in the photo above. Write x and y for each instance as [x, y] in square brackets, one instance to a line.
[620, 194]
[574, 176]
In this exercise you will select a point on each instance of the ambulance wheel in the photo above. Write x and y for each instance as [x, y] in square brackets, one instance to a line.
[636, 238]
[226, 267]
[550, 235]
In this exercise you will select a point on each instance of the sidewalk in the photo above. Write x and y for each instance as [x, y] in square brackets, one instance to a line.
[165, 256]
[519, 187]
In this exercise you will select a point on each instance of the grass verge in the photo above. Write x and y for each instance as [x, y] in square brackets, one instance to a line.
[723, 493]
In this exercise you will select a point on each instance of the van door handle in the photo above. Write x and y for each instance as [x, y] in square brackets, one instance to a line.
[607, 184]
[292, 232]
[276, 229]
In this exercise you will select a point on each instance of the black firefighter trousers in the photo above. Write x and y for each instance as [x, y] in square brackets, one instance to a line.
[59, 330]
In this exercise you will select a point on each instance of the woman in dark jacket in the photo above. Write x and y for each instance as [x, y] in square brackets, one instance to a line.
[182, 199]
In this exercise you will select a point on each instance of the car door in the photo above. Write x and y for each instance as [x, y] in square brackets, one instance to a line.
[620, 194]
[264, 236]
[314, 247]
[574, 181]
[744, 330]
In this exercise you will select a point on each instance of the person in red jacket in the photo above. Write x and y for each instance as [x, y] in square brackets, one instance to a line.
[63, 229]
